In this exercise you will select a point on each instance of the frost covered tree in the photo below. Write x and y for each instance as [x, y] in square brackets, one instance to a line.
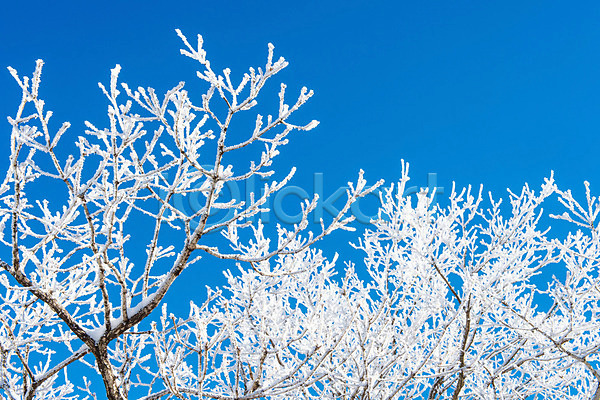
[73, 277]
[448, 302]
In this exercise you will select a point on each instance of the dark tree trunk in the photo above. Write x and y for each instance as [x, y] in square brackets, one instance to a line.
[108, 375]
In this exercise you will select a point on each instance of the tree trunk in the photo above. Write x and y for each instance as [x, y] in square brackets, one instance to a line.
[108, 376]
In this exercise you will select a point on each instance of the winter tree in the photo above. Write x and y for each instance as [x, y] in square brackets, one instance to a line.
[447, 303]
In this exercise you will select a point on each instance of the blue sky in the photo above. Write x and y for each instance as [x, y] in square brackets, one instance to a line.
[498, 93]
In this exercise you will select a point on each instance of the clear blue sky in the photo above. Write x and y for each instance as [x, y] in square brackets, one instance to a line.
[498, 93]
